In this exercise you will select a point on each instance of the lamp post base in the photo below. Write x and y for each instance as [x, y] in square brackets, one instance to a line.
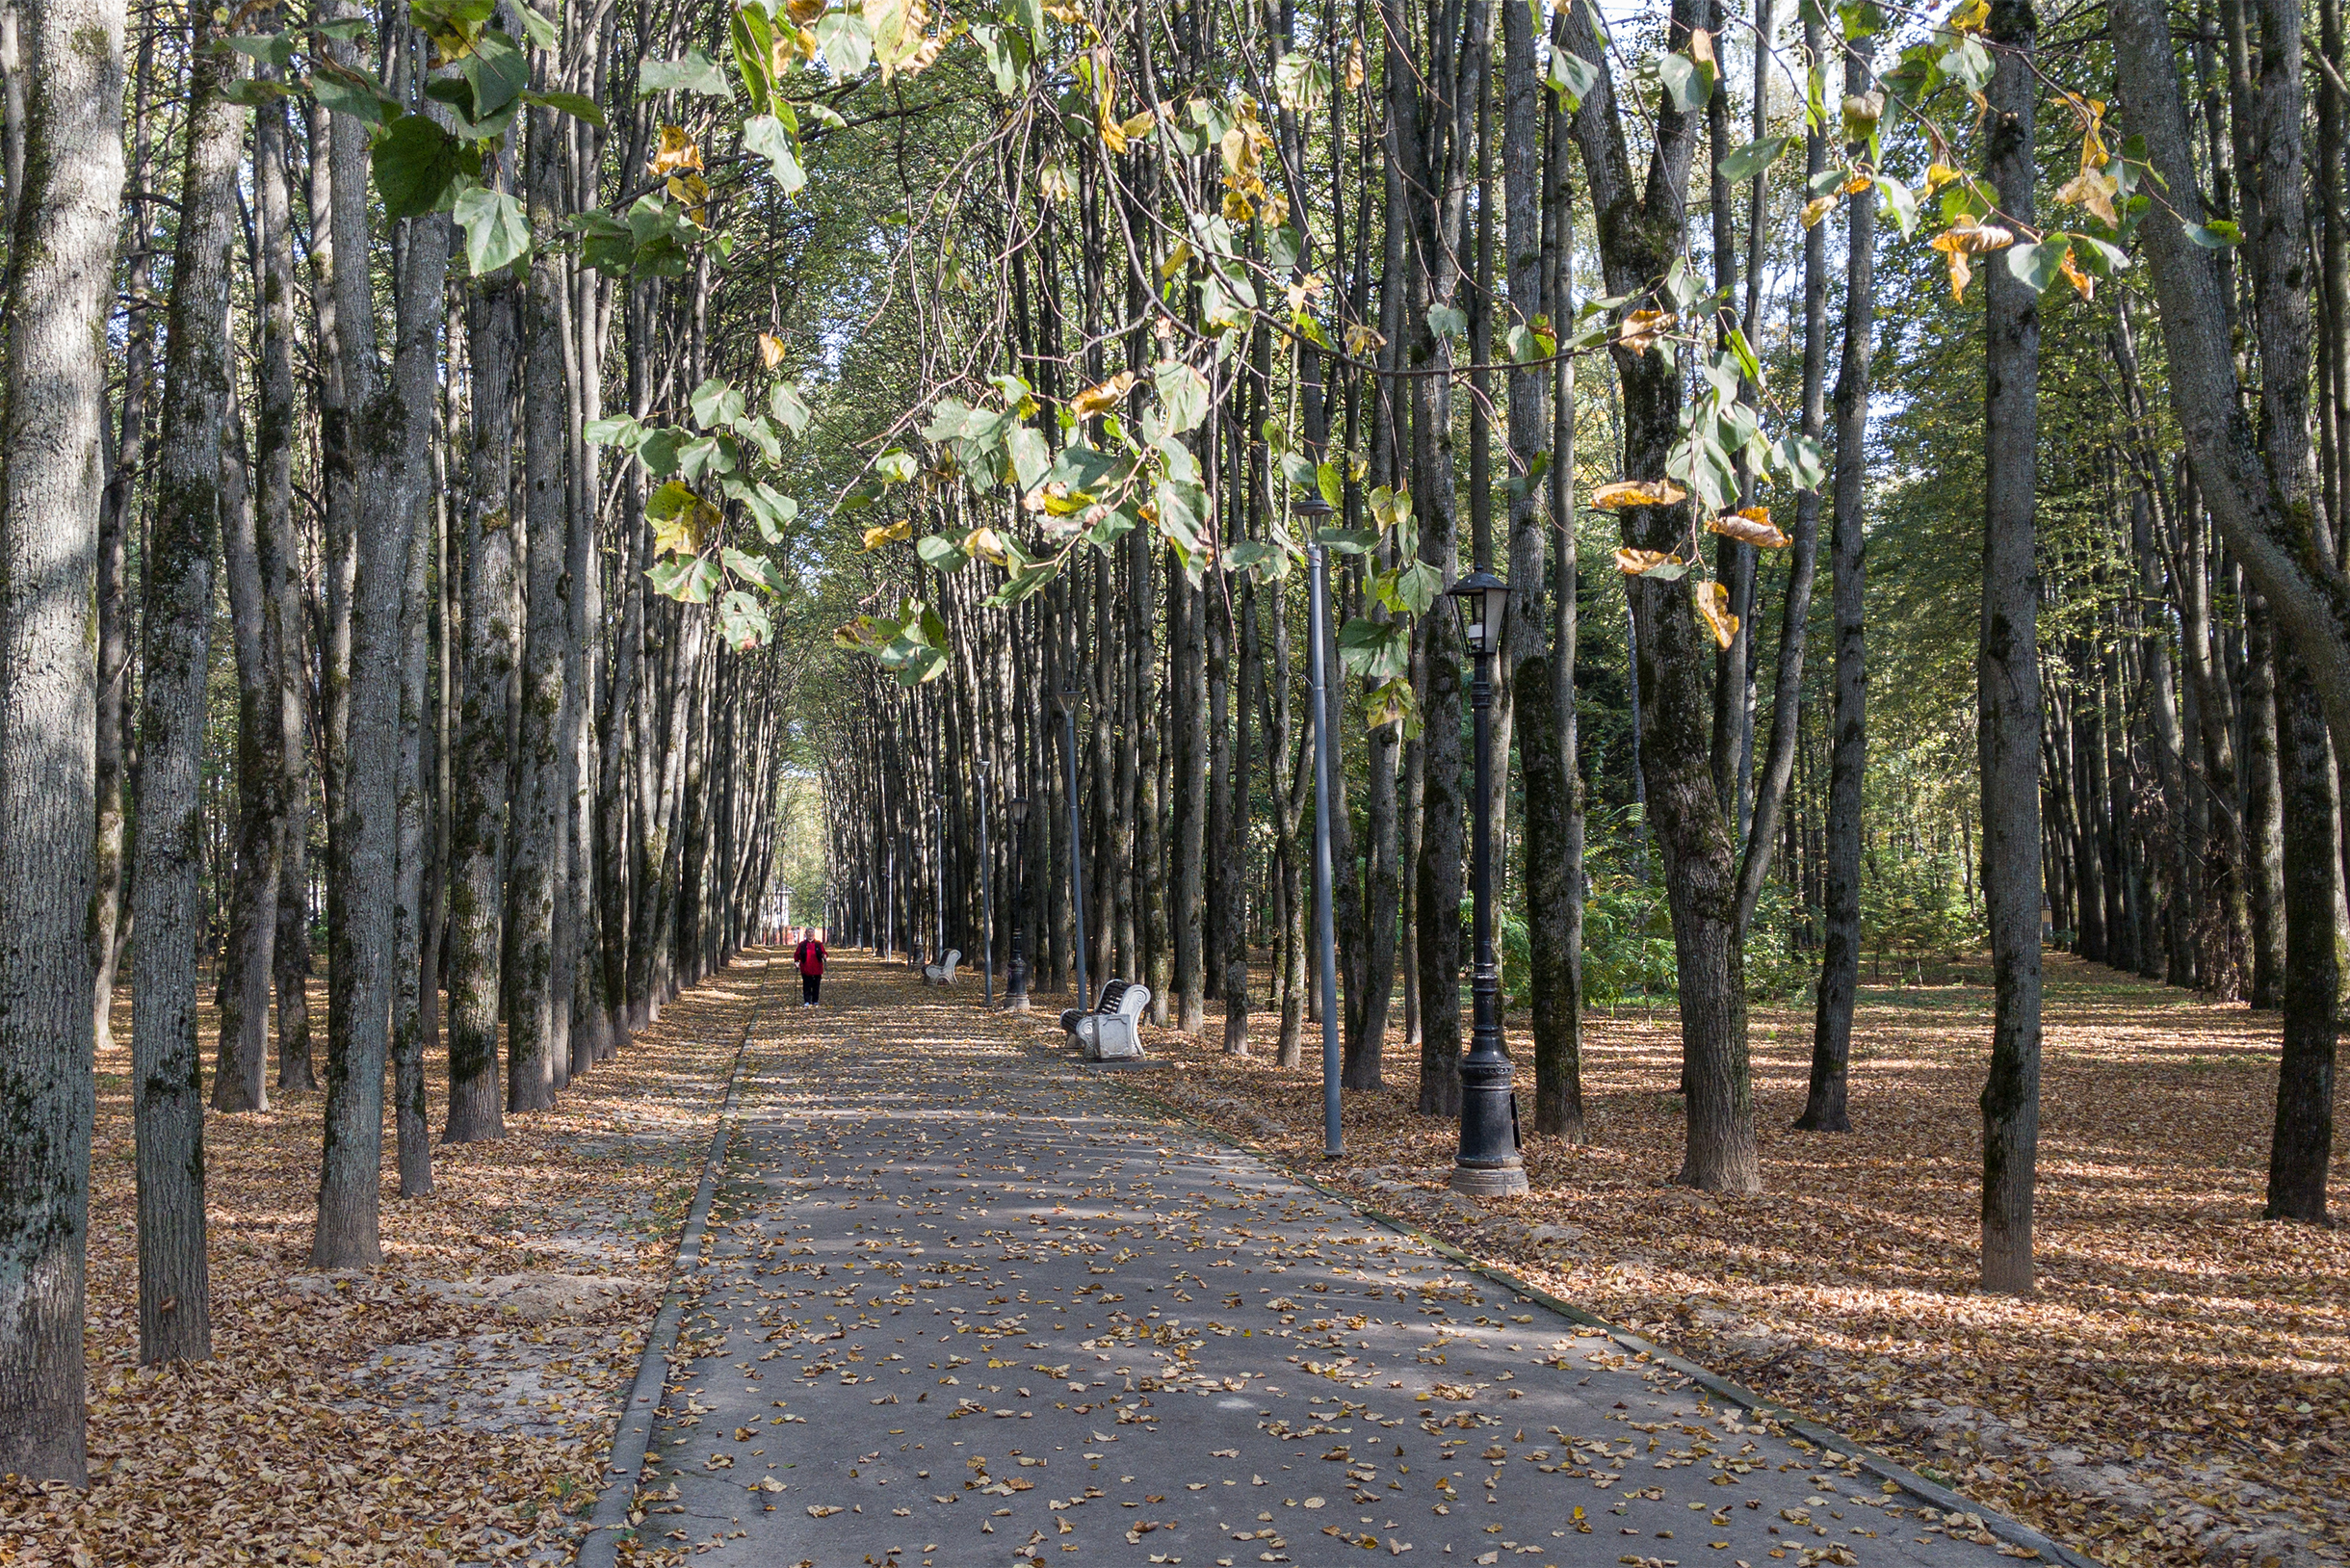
[1489, 1181]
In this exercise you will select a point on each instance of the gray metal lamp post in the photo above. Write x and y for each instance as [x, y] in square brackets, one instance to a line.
[1071, 694]
[1489, 1164]
[1313, 510]
[1015, 968]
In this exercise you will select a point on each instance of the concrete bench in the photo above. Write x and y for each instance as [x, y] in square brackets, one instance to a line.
[1115, 1036]
[1111, 991]
[943, 974]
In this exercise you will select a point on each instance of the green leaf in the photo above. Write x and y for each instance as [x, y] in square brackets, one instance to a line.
[714, 404]
[497, 228]
[578, 105]
[536, 27]
[1688, 83]
[940, 553]
[619, 431]
[1900, 203]
[1570, 78]
[2035, 266]
[254, 91]
[1375, 651]
[342, 91]
[269, 48]
[1746, 161]
[1183, 393]
[1446, 322]
[1329, 481]
[417, 165]
[1008, 57]
[783, 401]
[743, 621]
[497, 72]
[1743, 353]
[2217, 235]
[697, 72]
[846, 42]
[1031, 457]
[1348, 542]
[753, 39]
[894, 465]
[754, 569]
[764, 134]
[657, 448]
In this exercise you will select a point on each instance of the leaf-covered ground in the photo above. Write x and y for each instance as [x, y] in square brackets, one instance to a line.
[447, 1407]
[2175, 1394]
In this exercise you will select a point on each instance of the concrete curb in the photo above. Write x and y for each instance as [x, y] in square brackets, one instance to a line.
[600, 1546]
[2011, 1531]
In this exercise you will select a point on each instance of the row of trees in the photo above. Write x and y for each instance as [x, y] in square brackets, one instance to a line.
[316, 507]
[1429, 233]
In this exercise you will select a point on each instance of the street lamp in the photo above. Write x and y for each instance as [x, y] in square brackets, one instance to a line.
[1016, 969]
[1071, 694]
[1488, 1164]
[1312, 509]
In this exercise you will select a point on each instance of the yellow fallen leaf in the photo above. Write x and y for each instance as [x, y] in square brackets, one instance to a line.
[1642, 328]
[676, 150]
[1102, 398]
[1634, 562]
[770, 349]
[882, 533]
[1714, 605]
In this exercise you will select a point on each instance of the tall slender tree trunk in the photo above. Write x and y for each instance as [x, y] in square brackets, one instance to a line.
[1825, 1101]
[2008, 675]
[538, 1036]
[167, 1064]
[477, 823]
[241, 1079]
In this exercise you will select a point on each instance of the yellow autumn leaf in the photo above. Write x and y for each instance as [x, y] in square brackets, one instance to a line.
[1938, 175]
[2094, 190]
[1362, 342]
[1139, 124]
[2083, 285]
[1635, 563]
[1970, 16]
[676, 150]
[1305, 290]
[1961, 274]
[1714, 608]
[987, 545]
[1637, 493]
[804, 13]
[1642, 328]
[1749, 525]
[770, 349]
[1967, 238]
[1353, 76]
[1701, 46]
[881, 533]
[1817, 208]
[1855, 185]
[1102, 398]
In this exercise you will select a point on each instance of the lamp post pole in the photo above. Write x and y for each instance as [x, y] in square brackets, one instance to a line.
[1312, 509]
[1488, 1164]
[987, 900]
[1015, 968]
[1069, 695]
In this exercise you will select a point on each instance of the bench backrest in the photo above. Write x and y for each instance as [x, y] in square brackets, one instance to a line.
[1112, 993]
[1132, 1001]
[954, 956]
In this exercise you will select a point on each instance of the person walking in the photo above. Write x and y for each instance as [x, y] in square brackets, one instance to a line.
[809, 958]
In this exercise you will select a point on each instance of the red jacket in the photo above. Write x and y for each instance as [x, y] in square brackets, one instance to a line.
[809, 956]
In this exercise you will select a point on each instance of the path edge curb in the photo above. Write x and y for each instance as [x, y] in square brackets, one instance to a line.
[599, 1547]
[2014, 1531]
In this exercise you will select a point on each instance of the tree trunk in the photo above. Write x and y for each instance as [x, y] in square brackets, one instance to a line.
[54, 299]
[477, 824]
[167, 1064]
[2314, 932]
[1825, 1107]
[2007, 674]
[241, 1078]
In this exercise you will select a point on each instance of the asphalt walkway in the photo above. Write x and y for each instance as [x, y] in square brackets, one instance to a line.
[966, 1304]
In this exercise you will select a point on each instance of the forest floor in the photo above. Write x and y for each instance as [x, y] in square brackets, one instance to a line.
[453, 1404]
[2174, 1394]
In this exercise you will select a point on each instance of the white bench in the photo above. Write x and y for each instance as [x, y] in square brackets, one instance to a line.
[1115, 1037]
[943, 974]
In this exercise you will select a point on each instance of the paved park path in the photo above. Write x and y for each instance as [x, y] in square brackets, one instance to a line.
[967, 1303]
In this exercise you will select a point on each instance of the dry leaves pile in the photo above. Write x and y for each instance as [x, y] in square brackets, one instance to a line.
[452, 1405]
[2175, 1394]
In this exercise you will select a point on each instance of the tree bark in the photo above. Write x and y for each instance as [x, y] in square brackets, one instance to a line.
[2008, 675]
[54, 296]
[167, 1063]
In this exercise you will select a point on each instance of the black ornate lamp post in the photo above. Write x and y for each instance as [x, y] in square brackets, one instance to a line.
[1016, 969]
[1489, 1164]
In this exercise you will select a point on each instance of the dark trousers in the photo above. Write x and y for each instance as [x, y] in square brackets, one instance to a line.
[807, 987]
